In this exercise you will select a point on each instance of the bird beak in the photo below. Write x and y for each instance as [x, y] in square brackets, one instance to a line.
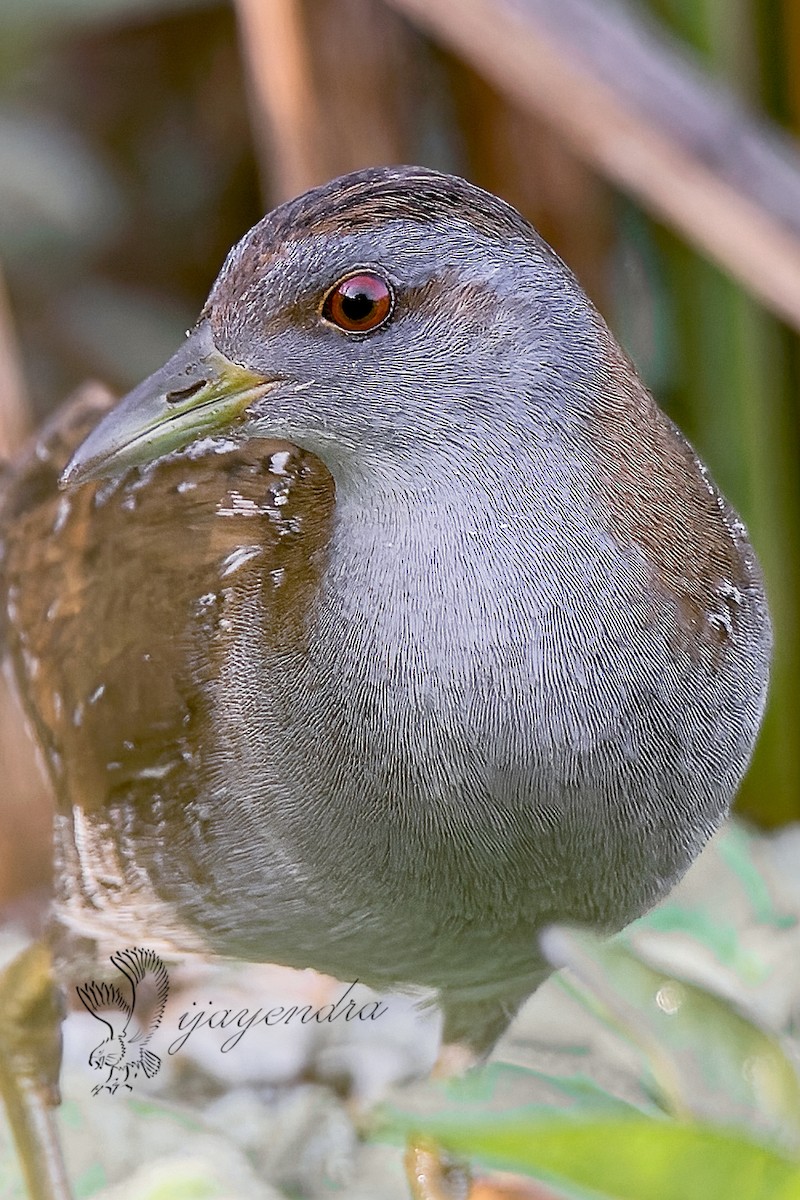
[198, 392]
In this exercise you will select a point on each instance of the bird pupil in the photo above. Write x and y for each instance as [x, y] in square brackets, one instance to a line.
[357, 305]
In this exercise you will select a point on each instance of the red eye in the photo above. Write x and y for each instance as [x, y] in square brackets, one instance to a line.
[359, 303]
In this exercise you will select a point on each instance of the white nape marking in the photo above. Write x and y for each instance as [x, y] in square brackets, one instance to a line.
[729, 592]
[721, 621]
[731, 598]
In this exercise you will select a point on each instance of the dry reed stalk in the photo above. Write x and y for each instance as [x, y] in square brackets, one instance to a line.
[24, 805]
[331, 86]
[688, 174]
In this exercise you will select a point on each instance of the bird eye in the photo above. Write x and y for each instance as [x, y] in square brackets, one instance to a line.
[359, 303]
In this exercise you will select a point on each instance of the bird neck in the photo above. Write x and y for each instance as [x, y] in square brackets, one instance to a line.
[451, 543]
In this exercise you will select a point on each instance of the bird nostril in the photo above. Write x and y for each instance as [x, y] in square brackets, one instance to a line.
[186, 393]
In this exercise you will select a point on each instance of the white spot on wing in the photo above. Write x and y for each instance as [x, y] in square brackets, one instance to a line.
[240, 506]
[62, 513]
[238, 557]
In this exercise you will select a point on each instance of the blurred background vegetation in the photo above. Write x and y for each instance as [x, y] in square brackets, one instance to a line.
[140, 138]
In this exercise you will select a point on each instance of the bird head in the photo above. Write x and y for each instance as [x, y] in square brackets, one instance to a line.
[109, 1053]
[388, 314]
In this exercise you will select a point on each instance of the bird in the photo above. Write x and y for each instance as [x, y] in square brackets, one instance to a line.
[388, 623]
[125, 1051]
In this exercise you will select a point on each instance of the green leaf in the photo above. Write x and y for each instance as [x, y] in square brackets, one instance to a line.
[634, 1158]
[91, 1181]
[508, 1085]
[721, 938]
[704, 1056]
[735, 849]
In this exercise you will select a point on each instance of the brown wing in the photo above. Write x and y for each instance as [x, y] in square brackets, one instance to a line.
[107, 593]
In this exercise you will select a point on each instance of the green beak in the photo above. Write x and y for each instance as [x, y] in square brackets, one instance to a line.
[199, 391]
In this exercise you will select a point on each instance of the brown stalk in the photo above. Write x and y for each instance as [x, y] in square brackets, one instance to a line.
[332, 85]
[14, 414]
[285, 110]
[684, 164]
